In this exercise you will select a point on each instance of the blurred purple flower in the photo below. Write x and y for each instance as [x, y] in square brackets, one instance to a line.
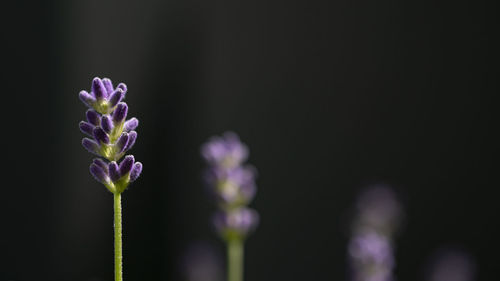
[370, 250]
[231, 183]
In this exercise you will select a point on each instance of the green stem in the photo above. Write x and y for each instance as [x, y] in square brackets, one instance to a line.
[118, 238]
[235, 259]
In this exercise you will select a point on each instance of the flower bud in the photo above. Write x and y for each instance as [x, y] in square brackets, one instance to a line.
[100, 135]
[98, 89]
[126, 165]
[120, 113]
[136, 171]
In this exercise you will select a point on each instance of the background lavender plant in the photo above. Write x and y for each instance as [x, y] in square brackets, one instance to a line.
[371, 247]
[232, 185]
[111, 137]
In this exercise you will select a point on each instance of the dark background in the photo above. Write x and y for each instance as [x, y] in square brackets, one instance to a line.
[329, 95]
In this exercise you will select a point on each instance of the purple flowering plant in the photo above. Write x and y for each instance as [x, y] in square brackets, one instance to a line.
[111, 136]
[232, 185]
[370, 251]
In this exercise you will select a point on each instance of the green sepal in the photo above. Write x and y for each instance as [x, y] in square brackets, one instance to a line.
[122, 183]
[102, 106]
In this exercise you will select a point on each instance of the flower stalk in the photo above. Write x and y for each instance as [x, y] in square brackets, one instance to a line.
[118, 237]
[235, 254]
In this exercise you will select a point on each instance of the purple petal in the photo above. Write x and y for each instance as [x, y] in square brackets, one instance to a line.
[136, 171]
[99, 174]
[131, 124]
[93, 117]
[100, 135]
[106, 124]
[108, 85]
[120, 112]
[132, 136]
[99, 162]
[98, 89]
[114, 173]
[86, 128]
[86, 98]
[90, 145]
[126, 165]
[123, 87]
[115, 97]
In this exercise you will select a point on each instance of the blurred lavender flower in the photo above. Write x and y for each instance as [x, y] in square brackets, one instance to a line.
[370, 249]
[110, 135]
[451, 265]
[231, 183]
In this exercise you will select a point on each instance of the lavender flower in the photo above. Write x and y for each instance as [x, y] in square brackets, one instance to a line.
[110, 135]
[232, 184]
[370, 248]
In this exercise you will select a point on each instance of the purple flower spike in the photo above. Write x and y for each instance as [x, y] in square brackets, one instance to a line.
[86, 128]
[99, 174]
[131, 124]
[100, 135]
[136, 171]
[120, 112]
[371, 248]
[87, 98]
[91, 146]
[108, 85]
[93, 117]
[115, 97]
[122, 142]
[114, 173]
[106, 124]
[232, 184]
[126, 165]
[98, 89]
[112, 134]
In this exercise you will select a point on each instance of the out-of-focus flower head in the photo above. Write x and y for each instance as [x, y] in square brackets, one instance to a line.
[377, 215]
[231, 183]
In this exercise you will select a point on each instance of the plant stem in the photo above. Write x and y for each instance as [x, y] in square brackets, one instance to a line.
[118, 237]
[235, 259]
